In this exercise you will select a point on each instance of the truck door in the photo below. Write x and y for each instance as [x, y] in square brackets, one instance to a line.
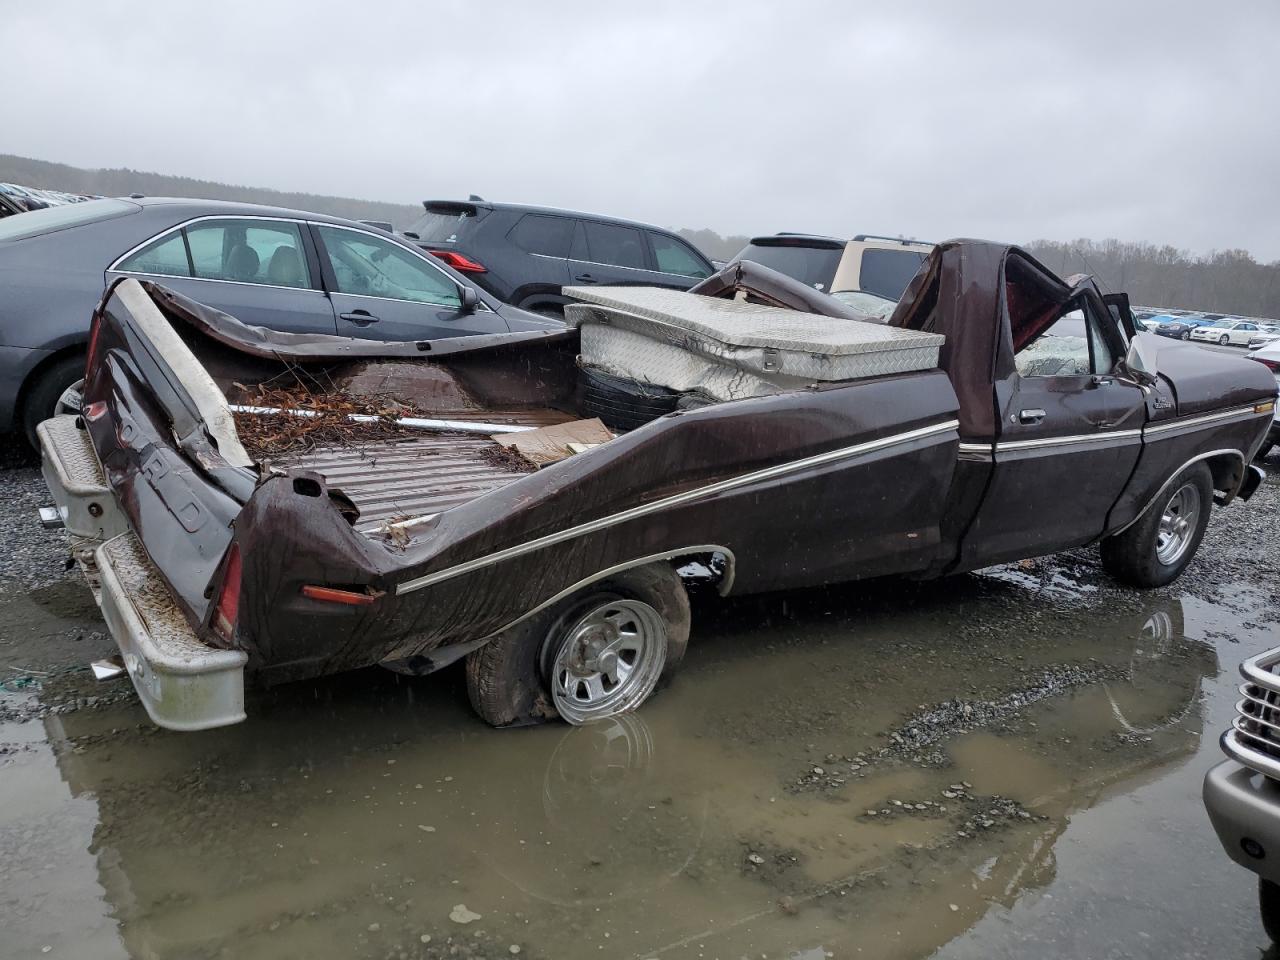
[1068, 437]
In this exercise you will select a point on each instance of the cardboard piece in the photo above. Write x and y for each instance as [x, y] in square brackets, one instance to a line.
[551, 444]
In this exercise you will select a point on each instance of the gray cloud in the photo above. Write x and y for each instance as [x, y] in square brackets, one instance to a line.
[1144, 121]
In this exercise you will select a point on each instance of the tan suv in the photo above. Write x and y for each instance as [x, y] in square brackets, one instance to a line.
[868, 272]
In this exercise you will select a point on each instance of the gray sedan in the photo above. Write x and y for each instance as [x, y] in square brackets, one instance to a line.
[270, 267]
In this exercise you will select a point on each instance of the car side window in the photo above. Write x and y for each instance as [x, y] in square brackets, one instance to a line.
[248, 251]
[544, 235]
[165, 256]
[676, 256]
[1074, 345]
[365, 265]
[617, 246]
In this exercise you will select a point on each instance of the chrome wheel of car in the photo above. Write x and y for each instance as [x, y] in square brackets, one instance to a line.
[1186, 334]
[70, 400]
[608, 661]
[1178, 523]
[1223, 340]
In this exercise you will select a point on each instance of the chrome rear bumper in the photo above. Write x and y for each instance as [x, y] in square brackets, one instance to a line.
[183, 684]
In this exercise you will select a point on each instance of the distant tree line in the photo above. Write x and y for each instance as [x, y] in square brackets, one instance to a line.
[1224, 281]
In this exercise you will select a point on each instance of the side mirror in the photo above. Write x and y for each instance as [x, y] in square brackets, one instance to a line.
[1140, 360]
[470, 299]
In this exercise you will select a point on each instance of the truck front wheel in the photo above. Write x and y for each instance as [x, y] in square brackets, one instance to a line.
[595, 654]
[1158, 547]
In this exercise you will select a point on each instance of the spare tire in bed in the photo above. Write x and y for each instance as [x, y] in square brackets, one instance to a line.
[622, 404]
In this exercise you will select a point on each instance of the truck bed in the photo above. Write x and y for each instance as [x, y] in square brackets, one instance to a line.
[394, 479]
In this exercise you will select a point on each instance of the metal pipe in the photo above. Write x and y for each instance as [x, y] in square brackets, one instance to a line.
[461, 426]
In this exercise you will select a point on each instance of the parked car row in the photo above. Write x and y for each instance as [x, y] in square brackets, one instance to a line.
[18, 199]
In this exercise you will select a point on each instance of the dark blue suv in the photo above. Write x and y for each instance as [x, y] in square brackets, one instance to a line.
[524, 255]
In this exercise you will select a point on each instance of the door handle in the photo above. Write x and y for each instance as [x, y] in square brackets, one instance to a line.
[585, 278]
[361, 318]
[1034, 415]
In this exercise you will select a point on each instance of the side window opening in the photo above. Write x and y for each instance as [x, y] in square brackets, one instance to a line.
[1073, 345]
[675, 256]
[165, 257]
[544, 235]
[248, 251]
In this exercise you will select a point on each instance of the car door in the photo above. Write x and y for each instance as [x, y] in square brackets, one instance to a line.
[611, 253]
[1069, 437]
[262, 271]
[382, 290]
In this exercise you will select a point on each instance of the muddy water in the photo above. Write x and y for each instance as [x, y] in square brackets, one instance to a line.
[1003, 764]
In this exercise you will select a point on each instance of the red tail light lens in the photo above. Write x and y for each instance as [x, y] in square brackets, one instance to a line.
[224, 618]
[459, 261]
[1272, 365]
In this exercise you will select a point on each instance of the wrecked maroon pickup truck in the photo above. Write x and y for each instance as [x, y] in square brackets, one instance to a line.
[1000, 414]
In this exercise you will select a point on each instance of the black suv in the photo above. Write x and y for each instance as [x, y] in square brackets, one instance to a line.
[524, 255]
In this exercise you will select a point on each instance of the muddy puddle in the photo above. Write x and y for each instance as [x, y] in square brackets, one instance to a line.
[895, 770]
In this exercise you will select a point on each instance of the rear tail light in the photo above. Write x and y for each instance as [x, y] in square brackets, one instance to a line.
[228, 609]
[1272, 365]
[459, 261]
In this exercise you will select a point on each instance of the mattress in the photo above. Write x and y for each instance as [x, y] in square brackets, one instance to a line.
[728, 349]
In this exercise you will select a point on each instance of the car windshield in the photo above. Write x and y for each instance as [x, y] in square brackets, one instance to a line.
[49, 219]
[1223, 323]
[444, 227]
[815, 266]
[869, 304]
[887, 272]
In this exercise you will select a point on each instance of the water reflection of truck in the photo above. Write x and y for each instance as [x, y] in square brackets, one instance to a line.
[799, 450]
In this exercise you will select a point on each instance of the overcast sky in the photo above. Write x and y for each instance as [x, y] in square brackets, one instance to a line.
[1151, 121]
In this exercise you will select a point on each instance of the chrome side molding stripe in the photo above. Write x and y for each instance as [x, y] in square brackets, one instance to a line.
[1068, 441]
[698, 493]
[1220, 416]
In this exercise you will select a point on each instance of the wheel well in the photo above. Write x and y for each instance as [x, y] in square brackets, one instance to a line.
[1228, 471]
[39, 371]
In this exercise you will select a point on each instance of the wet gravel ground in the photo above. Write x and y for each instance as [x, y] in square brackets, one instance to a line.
[965, 784]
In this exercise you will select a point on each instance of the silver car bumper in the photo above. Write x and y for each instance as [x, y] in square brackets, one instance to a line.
[1244, 808]
[183, 684]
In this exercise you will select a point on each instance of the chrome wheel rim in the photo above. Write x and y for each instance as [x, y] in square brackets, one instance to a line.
[70, 399]
[1223, 340]
[1178, 521]
[609, 660]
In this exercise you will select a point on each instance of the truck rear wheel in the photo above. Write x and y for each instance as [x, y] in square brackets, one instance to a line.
[1158, 547]
[595, 654]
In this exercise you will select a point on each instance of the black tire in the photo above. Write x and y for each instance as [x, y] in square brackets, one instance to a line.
[508, 679]
[41, 401]
[621, 403]
[1132, 556]
[1186, 334]
[1223, 340]
[1263, 450]
[1269, 908]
